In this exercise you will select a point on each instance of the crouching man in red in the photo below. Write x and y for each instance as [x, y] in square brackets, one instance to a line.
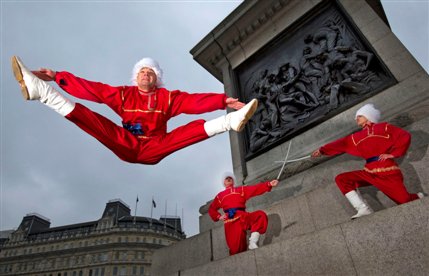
[237, 221]
[378, 144]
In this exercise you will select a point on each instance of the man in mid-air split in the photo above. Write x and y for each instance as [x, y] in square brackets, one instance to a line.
[144, 108]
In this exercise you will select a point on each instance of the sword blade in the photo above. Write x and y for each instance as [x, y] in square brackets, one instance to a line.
[285, 161]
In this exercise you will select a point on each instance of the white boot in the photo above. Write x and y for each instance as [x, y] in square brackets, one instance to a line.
[238, 119]
[216, 126]
[253, 240]
[420, 195]
[33, 88]
[234, 120]
[359, 204]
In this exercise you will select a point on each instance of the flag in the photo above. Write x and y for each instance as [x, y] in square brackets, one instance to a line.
[137, 199]
[153, 203]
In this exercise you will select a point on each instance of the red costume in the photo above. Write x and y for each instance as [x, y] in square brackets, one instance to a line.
[234, 199]
[370, 143]
[144, 115]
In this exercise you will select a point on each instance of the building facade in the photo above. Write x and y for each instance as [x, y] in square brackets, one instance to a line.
[116, 244]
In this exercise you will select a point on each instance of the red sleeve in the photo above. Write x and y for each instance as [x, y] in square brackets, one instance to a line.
[342, 145]
[213, 209]
[257, 189]
[183, 102]
[402, 140]
[87, 90]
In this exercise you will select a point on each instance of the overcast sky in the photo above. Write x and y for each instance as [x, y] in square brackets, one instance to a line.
[51, 167]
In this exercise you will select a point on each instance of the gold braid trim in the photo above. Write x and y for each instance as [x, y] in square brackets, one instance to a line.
[143, 111]
[379, 170]
[231, 220]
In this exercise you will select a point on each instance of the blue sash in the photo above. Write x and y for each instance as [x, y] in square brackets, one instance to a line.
[372, 159]
[135, 129]
[231, 212]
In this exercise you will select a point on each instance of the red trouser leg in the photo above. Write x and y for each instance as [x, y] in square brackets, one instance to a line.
[236, 236]
[257, 221]
[117, 139]
[181, 137]
[392, 184]
[127, 146]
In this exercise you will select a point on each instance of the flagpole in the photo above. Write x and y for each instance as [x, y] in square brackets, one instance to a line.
[175, 219]
[151, 211]
[135, 210]
[183, 225]
[165, 217]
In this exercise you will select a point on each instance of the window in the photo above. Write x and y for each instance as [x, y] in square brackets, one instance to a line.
[123, 271]
[115, 271]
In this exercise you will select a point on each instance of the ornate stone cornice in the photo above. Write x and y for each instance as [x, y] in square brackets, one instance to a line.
[228, 40]
[234, 30]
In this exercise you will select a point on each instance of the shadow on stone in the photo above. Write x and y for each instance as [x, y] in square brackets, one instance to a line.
[274, 228]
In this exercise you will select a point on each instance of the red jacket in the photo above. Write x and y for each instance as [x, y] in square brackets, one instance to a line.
[370, 142]
[152, 110]
[236, 197]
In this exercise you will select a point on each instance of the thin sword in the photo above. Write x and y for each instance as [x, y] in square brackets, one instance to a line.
[294, 160]
[285, 161]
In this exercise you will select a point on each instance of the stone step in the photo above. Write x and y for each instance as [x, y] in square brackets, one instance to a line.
[394, 241]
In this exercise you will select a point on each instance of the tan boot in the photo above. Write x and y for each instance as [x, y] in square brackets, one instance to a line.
[16, 68]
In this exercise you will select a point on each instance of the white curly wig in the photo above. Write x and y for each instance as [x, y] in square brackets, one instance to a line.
[149, 63]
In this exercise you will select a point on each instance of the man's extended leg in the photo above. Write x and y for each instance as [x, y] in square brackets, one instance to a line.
[120, 141]
[392, 185]
[158, 148]
[33, 88]
[234, 120]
